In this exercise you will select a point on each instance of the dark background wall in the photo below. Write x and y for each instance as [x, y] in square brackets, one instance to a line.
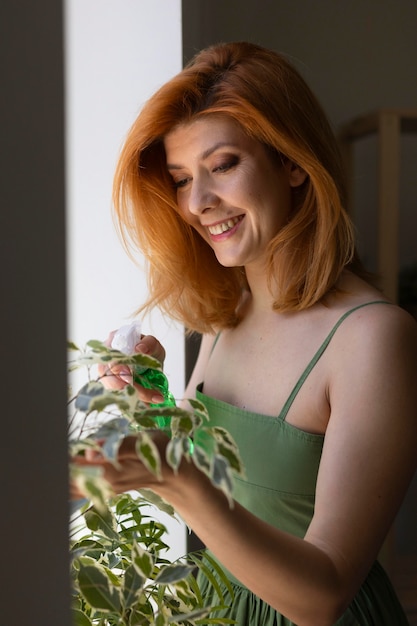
[357, 55]
[33, 457]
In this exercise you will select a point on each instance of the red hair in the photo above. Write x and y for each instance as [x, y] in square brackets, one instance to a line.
[270, 100]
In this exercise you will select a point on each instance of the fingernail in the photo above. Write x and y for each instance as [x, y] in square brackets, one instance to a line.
[157, 398]
[125, 375]
[142, 347]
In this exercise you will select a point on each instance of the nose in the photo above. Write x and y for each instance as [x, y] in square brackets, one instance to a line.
[202, 196]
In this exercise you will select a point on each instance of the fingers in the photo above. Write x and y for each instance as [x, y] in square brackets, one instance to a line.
[148, 344]
[116, 377]
[129, 472]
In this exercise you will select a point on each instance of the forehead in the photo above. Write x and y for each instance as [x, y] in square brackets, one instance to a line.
[203, 132]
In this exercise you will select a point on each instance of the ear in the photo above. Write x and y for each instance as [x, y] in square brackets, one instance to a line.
[296, 175]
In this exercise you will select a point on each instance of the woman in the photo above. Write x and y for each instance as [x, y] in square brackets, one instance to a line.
[230, 183]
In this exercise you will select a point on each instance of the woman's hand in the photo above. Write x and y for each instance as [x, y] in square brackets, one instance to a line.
[131, 473]
[115, 376]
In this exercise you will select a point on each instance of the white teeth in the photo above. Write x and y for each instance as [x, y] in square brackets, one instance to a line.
[218, 229]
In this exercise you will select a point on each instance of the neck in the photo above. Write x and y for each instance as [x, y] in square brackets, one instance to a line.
[261, 297]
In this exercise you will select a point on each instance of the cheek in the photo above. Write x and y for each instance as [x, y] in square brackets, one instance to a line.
[182, 208]
[186, 215]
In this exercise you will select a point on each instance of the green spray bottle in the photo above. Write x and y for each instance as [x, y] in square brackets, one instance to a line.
[124, 340]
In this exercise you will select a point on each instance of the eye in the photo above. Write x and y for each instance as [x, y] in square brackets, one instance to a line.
[181, 183]
[227, 165]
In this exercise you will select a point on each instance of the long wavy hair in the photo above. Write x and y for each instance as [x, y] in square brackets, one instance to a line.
[260, 90]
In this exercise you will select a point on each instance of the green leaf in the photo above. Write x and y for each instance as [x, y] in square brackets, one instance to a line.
[100, 353]
[87, 394]
[93, 396]
[102, 521]
[173, 573]
[191, 615]
[87, 547]
[177, 447]
[203, 437]
[159, 502]
[144, 362]
[217, 620]
[199, 408]
[169, 411]
[113, 432]
[221, 434]
[161, 620]
[185, 424]
[124, 504]
[96, 344]
[231, 457]
[148, 454]
[221, 476]
[80, 619]
[227, 447]
[143, 420]
[201, 459]
[142, 560]
[113, 560]
[184, 591]
[97, 589]
[142, 615]
[90, 482]
[220, 572]
[193, 584]
[109, 428]
[133, 586]
[210, 573]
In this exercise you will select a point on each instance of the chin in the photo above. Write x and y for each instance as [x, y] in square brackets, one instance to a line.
[229, 262]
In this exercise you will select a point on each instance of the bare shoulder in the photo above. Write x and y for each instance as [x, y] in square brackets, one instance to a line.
[373, 375]
[379, 339]
[374, 323]
[381, 327]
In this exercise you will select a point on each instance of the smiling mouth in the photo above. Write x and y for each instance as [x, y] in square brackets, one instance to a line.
[223, 227]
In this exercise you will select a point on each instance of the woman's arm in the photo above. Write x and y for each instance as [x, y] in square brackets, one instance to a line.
[369, 457]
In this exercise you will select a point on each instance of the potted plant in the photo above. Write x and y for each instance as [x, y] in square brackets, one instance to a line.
[119, 572]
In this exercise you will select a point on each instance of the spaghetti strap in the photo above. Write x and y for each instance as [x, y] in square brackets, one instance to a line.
[216, 339]
[318, 354]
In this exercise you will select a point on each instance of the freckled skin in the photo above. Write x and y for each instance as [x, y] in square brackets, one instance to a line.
[221, 173]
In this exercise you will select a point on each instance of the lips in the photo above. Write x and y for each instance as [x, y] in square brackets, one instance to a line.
[223, 227]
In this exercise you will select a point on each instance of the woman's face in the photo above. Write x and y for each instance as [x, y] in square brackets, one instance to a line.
[234, 193]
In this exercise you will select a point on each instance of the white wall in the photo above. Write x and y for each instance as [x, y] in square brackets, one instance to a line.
[118, 52]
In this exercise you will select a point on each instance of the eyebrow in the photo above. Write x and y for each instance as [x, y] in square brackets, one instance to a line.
[205, 154]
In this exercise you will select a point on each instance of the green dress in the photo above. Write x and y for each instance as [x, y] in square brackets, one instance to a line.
[281, 464]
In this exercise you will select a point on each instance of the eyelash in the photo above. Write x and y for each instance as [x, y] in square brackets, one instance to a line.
[224, 167]
[180, 183]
